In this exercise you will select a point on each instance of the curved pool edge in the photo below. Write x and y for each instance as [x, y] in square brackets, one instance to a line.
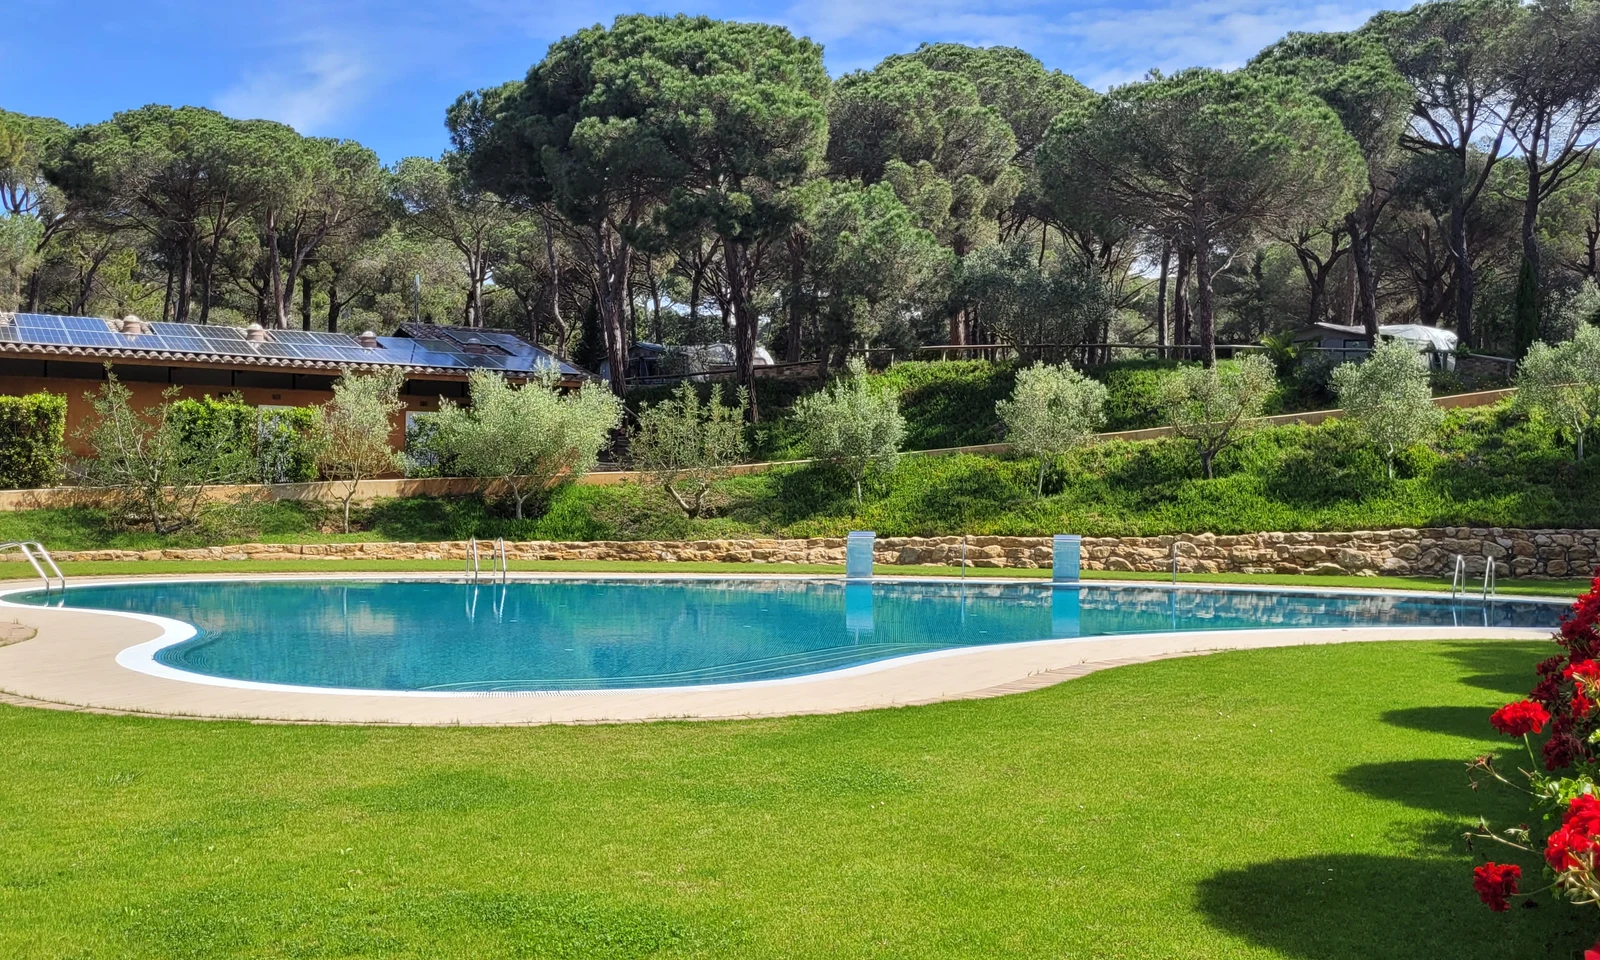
[104, 660]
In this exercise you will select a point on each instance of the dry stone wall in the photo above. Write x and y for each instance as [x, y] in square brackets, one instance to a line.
[1515, 553]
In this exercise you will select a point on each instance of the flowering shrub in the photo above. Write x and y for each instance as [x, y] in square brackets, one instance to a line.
[1566, 807]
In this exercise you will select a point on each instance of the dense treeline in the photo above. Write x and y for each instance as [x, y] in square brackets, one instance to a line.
[686, 180]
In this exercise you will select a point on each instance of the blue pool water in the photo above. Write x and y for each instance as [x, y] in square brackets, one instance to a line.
[600, 634]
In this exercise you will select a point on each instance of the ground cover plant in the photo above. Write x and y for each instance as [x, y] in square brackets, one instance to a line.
[982, 828]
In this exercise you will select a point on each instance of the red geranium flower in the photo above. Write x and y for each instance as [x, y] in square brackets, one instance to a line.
[1495, 883]
[1516, 719]
[1587, 669]
[1593, 953]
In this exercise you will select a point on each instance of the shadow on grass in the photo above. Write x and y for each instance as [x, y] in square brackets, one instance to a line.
[1472, 722]
[1366, 907]
[1439, 785]
[1505, 668]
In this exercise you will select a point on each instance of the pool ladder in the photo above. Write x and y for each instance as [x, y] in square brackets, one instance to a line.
[497, 560]
[1459, 583]
[28, 548]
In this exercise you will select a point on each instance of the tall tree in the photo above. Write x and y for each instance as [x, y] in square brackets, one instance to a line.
[181, 175]
[441, 201]
[1552, 67]
[1451, 55]
[1208, 157]
[742, 107]
[928, 133]
[1353, 74]
[578, 134]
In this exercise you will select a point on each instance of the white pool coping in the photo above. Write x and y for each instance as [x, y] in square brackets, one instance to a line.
[105, 660]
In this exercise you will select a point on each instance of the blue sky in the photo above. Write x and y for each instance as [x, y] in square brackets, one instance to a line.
[383, 73]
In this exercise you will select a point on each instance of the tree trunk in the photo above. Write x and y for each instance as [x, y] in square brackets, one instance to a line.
[1526, 307]
[1181, 314]
[554, 265]
[612, 259]
[208, 270]
[1203, 301]
[694, 290]
[333, 302]
[275, 269]
[180, 306]
[1463, 267]
[305, 301]
[655, 300]
[1161, 301]
[797, 277]
[741, 267]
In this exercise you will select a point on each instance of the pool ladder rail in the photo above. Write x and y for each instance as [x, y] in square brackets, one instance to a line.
[28, 549]
[497, 559]
[1459, 583]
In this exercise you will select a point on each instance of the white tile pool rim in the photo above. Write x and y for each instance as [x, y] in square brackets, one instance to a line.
[921, 677]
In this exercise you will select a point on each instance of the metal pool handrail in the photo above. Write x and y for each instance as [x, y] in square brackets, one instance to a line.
[1458, 576]
[1489, 587]
[497, 560]
[27, 547]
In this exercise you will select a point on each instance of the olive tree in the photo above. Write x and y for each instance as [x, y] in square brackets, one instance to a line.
[1389, 397]
[853, 424]
[1210, 405]
[1051, 411]
[684, 444]
[353, 431]
[154, 461]
[527, 437]
[1562, 383]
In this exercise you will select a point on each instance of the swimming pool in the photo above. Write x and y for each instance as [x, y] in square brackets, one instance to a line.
[605, 634]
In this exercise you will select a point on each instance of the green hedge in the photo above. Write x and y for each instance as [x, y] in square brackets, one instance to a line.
[278, 442]
[32, 440]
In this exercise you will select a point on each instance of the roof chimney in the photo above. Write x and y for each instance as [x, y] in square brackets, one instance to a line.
[367, 339]
[133, 326]
[255, 333]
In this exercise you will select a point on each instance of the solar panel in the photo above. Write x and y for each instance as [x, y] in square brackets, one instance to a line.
[439, 347]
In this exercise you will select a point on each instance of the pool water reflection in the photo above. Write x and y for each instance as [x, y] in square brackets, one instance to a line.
[606, 634]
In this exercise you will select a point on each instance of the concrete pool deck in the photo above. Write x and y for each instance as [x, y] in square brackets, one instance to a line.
[71, 662]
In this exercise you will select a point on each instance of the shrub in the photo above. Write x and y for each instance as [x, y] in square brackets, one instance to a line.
[854, 424]
[1210, 405]
[683, 444]
[155, 461]
[1563, 383]
[1387, 395]
[526, 438]
[286, 445]
[32, 434]
[353, 431]
[1053, 410]
[280, 443]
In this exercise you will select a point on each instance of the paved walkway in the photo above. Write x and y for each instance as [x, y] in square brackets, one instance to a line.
[72, 663]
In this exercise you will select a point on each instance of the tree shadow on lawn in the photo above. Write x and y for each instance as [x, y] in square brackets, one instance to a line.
[1470, 722]
[1438, 785]
[1503, 667]
[1369, 907]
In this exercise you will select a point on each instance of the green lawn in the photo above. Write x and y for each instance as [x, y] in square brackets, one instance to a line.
[1299, 803]
[20, 570]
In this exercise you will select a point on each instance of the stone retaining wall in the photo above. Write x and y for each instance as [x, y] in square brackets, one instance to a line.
[1515, 553]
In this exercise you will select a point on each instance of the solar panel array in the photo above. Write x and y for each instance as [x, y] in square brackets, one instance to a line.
[291, 345]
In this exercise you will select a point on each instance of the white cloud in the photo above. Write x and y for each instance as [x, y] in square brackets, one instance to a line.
[311, 97]
[1099, 42]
